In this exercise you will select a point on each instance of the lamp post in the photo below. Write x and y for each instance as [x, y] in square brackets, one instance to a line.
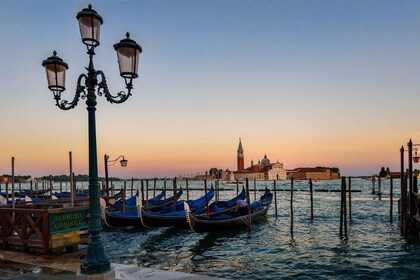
[128, 59]
[108, 162]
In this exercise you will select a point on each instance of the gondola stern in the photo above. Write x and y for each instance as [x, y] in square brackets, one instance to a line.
[139, 205]
[188, 216]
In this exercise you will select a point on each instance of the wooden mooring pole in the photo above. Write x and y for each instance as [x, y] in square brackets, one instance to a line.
[291, 207]
[340, 233]
[186, 187]
[132, 187]
[343, 209]
[312, 198]
[350, 198]
[7, 190]
[71, 191]
[51, 187]
[391, 198]
[248, 202]
[124, 196]
[205, 193]
[164, 189]
[13, 182]
[142, 192]
[147, 194]
[275, 198]
[175, 190]
[255, 190]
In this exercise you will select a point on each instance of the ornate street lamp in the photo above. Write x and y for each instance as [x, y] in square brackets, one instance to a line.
[108, 162]
[128, 58]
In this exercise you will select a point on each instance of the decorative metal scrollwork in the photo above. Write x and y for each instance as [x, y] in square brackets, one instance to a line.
[103, 90]
[80, 93]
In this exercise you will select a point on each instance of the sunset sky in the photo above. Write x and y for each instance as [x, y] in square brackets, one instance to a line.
[331, 83]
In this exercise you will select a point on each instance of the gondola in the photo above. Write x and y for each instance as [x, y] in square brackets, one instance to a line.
[130, 218]
[81, 194]
[150, 218]
[130, 203]
[219, 207]
[235, 219]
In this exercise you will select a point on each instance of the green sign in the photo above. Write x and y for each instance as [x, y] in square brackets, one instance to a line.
[68, 220]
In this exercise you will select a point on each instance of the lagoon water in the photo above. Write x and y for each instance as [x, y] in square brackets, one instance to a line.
[374, 249]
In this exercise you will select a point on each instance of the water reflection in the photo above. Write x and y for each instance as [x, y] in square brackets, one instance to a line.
[374, 248]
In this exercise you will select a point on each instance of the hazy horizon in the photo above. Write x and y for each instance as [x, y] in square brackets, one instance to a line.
[310, 83]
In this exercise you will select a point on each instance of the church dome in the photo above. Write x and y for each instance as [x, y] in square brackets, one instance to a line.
[265, 160]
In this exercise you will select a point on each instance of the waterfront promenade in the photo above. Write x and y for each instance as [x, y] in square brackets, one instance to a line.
[17, 265]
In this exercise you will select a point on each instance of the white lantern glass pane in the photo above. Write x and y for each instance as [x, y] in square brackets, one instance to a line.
[56, 76]
[128, 61]
[90, 31]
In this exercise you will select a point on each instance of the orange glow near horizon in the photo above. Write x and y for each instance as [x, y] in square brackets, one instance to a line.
[177, 157]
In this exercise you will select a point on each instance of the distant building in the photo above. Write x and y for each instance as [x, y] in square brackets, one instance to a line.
[8, 179]
[315, 173]
[395, 174]
[263, 170]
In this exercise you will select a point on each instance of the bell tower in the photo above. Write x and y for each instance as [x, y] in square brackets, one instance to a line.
[240, 157]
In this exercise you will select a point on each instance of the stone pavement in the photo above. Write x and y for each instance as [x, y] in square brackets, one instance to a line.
[24, 266]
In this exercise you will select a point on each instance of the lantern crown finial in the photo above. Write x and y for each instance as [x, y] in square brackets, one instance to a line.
[127, 35]
[90, 23]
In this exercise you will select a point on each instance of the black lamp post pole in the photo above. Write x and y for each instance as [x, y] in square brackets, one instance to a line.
[95, 261]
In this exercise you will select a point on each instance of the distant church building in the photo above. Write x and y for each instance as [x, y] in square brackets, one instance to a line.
[263, 170]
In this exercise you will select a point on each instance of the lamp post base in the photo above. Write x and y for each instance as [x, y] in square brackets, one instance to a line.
[109, 275]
